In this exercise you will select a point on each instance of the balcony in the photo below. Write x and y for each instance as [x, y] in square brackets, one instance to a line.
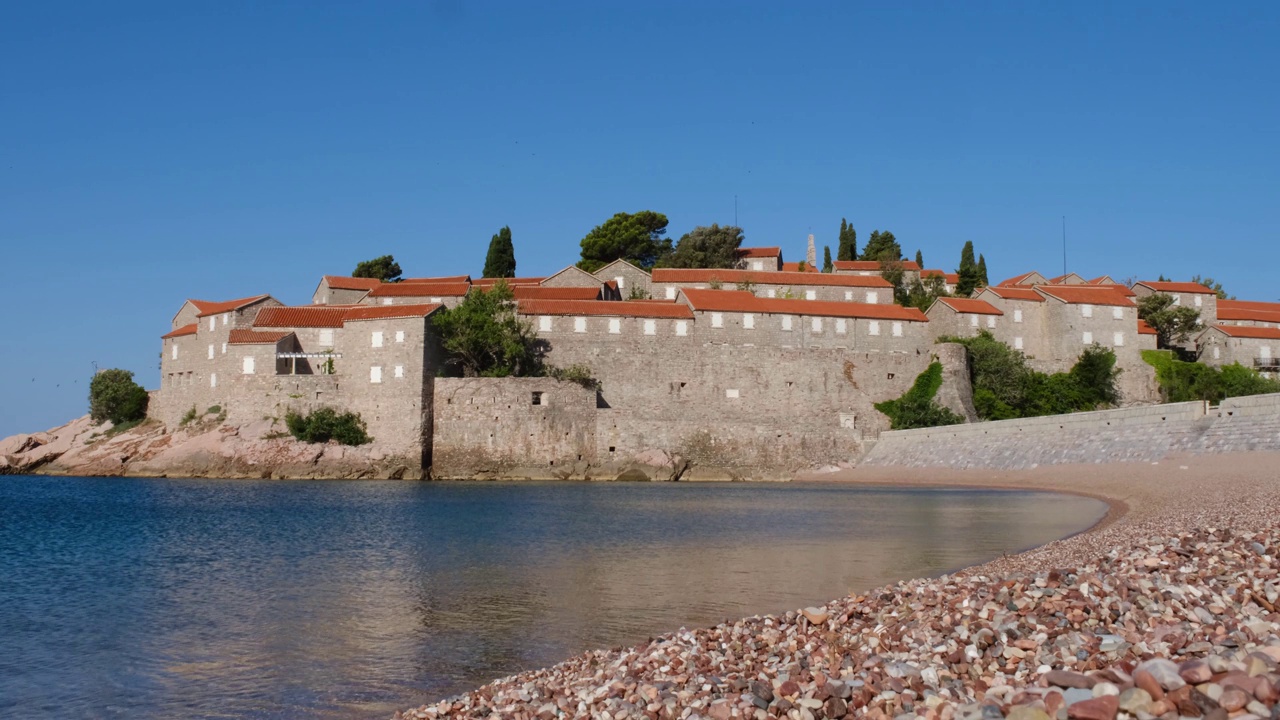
[1267, 365]
[305, 363]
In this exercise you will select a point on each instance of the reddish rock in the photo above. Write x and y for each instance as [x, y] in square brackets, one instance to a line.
[1068, 679]
[1195, 672]
[1099, 708]
[1147, 681]
[1232, 699]
[789, 689]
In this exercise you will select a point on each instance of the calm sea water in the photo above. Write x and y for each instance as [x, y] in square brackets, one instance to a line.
[134, 598]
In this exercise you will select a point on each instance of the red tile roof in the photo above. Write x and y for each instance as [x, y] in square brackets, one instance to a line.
[1062, 279]
[1144, 328]
[795, 267]
[1101, 280]
[536, 292]
[1248, 305]
[386, 312]
[239, 336]
[605, 308]
[1017, 279]
[1086, 295]
[1247, 314]
[486, 283]
[341, 282]
[759, 252]
[743, 301]
[184, 330]
[1255, 333]
[206, 307]
[731, 277]
[949, 278]
[1178, 287]
[310, 316]
[448, 279]
[971, 306]
[421, 289]
[1122, 289]
[1015, 293]
[875, 265]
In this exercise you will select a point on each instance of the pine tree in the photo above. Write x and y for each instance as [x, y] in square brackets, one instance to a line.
[920, 258]
[970, 274]
[982, 271]
[882, 247]
[848, 248]
[501, 260]
[826, 259]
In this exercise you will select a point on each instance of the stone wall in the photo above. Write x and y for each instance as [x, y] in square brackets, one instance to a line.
[1142, 434]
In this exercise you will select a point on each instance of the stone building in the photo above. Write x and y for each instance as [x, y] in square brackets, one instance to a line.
[1251, 346]
[911, 271]
[572, 276]
[1030, 278]
[340, 290]
[447, 293]
[628, 281]
[1186, 294]
[1248, 313]
[964, 317]
[760, 259]
[668, 282]
[950, 281]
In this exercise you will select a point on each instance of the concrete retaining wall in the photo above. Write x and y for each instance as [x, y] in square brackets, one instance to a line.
[1145, 434]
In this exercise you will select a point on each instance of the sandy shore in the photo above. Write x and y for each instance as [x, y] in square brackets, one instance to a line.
[1166, 608]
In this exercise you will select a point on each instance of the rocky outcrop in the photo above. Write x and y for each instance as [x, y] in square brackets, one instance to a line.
[206, 447]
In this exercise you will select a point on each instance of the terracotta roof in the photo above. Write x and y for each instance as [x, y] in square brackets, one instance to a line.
[606, 308]
[950, 278]
[537, 292]
[449, 279]
[1124, 290]
[385, 312]
[240, 336]
[340, 282]
[971, 306]
[1248, 305]
[421, 289]
[1086, 295]
[1244, 331]
[206, 307]
[871, 265]
[310, 316]
[1178, 287]
[1015, 293]
[184, 330]
[743, 301]
[795, 267]
[759, 252]
[1144, 328]
[612, 283]
[1017, 279]
[731, 277]
[1062, 279]
[1101, 280]
[486, 283]
[1242, 314]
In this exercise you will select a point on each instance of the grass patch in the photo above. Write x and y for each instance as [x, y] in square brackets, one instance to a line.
[1182, 381]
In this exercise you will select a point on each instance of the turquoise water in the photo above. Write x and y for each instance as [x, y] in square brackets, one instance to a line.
[136, 598]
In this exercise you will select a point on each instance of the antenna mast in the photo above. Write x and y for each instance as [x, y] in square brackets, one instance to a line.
[1064, 244]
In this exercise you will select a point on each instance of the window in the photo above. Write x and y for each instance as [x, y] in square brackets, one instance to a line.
[842, 326]
[1087, 337]
[544, 323]
[375, 374]
[873, 297]
[682, 327]
[771, 293]
[1199, 301]
[213, 380]
[1118, 339]
[1117, 313]
[580, 325]
[175, 350]
[671, 293]
[810, 294]
[731, 393]
[973, 320]
[399, 336]
[1017, 316]
[897, 329]
[213, 322]
[377, 338]
[816, 325]
[622, 282]
[757, 265]
[991, 321]
[399, 371]
[386, 301]
[225, 315]
[848, 294]
[210, 351]
[873, 327]
[1217, 353]
[1017, 343]
[326, 338]
[615, 326]
[1086, 310]
[436, 300]
[748, 321]
[650, 327]
[224, 348]
[248, 365]
[786, 322]
[536, 399]
[1264, 352]
[1177, 300]
[717, 320]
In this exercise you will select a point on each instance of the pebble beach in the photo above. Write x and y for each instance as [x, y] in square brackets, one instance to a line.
[1167, 608]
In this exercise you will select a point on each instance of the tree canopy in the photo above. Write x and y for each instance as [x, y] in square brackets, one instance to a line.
[1173, 324]
[500, 262]
[114, 396]
[882, 247]
[918, 407]
[1216, 287]
[920, 259]
[706, 247]
[982, 271]
[848, 249]
[383, 268]
[969, 272]
[483, 337]
[634, 237]
[827, 265]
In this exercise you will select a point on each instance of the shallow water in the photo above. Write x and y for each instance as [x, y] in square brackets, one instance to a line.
[206, 598]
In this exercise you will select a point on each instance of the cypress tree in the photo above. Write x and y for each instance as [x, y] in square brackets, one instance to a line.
[982, 271]
[848, 248]
[970, 275]
[826, 259]
[920, 259]
[501, 260]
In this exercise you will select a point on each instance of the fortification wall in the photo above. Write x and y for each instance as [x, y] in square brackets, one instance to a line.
[1140, 434]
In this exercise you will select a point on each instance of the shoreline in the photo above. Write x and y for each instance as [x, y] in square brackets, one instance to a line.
[1237, 494]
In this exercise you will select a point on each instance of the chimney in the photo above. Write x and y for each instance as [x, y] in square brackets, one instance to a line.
[811, 258]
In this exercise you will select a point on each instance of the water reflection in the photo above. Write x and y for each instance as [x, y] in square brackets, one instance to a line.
[154, 598]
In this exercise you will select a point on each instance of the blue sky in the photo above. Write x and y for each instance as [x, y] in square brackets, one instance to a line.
[152, 152]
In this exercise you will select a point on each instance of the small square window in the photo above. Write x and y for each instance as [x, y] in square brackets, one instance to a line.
[731, 393]
[816, 325]
[748, 321]
[717, 320]
[399, 371]
[615, 326]
[1118, 339]
[771, 293]
[1117, 313]
[1086, 310]
[650, 327]
[786, 322]
[682, 328]
[873, 327]
[386, 301]
[873, 297]
[544, 323]
[1017, 343]
[399, 336]
[580, 325]
[1087, 337]
[1017, 316]
[991, 321]
[377, 338]
[897, 329]
[536, 398]
[671, 293]
[848, 294]
[842, 326]
[810, 294]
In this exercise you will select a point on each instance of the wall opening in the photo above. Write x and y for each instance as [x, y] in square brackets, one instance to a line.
[537, 398]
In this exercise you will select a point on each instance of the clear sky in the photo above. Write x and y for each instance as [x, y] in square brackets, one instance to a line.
[151, 152]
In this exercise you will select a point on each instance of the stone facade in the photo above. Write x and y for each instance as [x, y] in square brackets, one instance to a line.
[629, 281]
[1252, 347]
[1185, 294]
[571, 276]
[667, 284]
[910, 269]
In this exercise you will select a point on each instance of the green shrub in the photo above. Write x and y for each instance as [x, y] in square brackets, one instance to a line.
[917, 407]
[579, 374]
[114, 396]
[190, 417]
[327, 424]
[1182, 381]
[213, 410]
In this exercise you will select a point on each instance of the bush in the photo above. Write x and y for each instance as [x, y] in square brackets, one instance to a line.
[114, 396]
[917, 407]
[579, 374]
[1182, 381]
[326, 424]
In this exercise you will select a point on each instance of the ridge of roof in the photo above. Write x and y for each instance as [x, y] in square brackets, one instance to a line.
[1014, 292]
[873, 264]
[209, 307]
[342, 282]
[1247, 331]
[759, 252]
[243, 336]
[743, 301]
[1086, 295]
[1177, 287]
[971, 305]
[421, 289]
[306, 316]
[387, 312]
[604, 308]
[762, 277]
[181, 331]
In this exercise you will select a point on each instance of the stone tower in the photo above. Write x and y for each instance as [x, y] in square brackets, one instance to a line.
[811, 256]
